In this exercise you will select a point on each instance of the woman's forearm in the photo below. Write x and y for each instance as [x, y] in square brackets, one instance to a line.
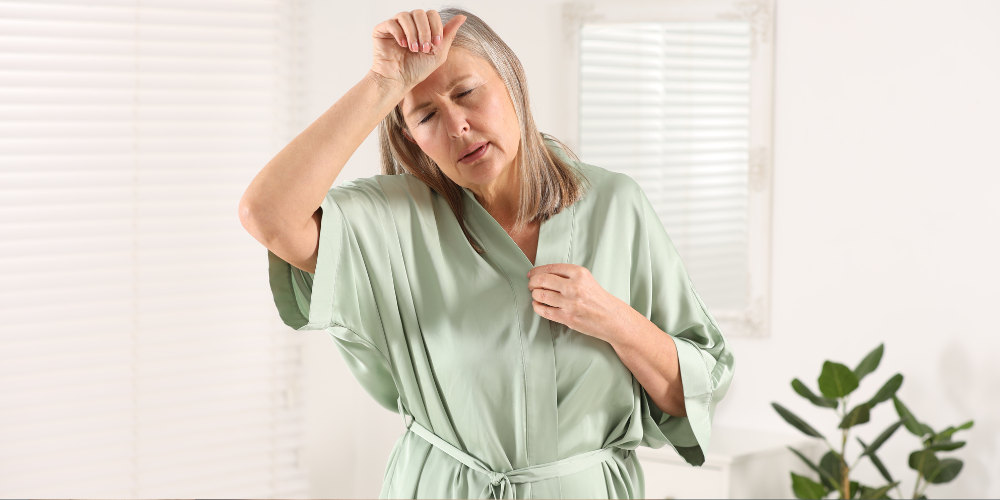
[651, 355]
[288, 190]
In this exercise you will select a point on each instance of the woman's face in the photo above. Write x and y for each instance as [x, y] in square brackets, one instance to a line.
[458, 108]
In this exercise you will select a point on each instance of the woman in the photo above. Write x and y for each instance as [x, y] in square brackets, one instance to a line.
[527, 310]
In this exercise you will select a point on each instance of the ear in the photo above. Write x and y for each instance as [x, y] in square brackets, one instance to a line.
[407, 135]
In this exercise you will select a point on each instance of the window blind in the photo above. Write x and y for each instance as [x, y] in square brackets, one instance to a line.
[141, 354]
[668, 105]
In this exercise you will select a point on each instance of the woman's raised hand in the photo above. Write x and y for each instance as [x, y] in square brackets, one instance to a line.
[411, 45]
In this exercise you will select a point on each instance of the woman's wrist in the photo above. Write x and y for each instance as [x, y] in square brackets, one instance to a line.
[387, 86]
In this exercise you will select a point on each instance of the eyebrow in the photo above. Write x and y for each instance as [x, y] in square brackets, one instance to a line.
[423, 105]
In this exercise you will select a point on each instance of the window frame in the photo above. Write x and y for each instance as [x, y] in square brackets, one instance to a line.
[754, 320]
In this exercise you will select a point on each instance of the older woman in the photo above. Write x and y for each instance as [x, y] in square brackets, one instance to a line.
[526, 310]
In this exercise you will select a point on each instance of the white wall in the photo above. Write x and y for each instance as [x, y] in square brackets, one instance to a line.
[885, 221]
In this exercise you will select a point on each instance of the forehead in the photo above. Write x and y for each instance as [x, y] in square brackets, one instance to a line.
[460, 63]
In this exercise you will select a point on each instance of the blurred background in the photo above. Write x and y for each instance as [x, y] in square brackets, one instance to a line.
[141, 354]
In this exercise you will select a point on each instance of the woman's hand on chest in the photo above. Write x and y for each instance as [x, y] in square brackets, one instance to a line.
[569, 294]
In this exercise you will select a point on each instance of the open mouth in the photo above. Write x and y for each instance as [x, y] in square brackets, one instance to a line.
[475, 154]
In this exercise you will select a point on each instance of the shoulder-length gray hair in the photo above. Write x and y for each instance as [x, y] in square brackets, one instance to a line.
[548, 183]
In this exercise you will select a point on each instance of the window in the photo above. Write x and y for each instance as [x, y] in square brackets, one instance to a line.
[141, 355]
[677, 95]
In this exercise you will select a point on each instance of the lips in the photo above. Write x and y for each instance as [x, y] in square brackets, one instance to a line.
[471, 150]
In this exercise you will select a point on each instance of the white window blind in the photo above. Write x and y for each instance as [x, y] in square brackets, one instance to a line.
[140, 351]
[668, 105]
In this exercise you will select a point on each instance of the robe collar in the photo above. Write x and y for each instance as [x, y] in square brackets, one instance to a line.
[554, 238]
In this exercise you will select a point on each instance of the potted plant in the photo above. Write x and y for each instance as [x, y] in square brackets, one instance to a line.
[836, 383]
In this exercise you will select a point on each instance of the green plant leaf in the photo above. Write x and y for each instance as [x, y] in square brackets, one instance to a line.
[880, 466]
[824, 475]
[836, 380]
[864, 491]
[804, 391]
[915, 427]
[796, 422]
[807, 488]
[947, 446]
[887, 391]
[859, 415]
[945, 435]
[879, 492]
[870, 363]
[886, 434]
[831, 464]
[855, 486]
[870, 452]
[924, 462]
[947, 470]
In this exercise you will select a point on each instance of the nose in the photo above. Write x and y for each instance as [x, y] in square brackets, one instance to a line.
[455, 121]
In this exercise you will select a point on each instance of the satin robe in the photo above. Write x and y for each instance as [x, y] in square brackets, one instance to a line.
[419, 316]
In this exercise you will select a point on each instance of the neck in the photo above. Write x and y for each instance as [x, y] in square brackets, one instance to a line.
[501, 198]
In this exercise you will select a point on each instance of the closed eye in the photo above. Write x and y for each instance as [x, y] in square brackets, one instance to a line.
[428, 117]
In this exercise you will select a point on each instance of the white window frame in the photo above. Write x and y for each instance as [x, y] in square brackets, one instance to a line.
[754, 319]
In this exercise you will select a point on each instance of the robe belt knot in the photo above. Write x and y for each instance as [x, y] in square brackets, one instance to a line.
[499, 479]
[496, 477]
[507, 480]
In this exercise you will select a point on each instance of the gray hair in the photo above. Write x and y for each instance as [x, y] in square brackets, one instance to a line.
[549, 180]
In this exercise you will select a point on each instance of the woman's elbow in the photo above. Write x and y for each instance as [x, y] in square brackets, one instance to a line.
[250, 218]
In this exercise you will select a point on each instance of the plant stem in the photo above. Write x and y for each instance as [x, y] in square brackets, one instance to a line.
[922, 490]
[830, 447]
[916, 484]
[844, 471]
[846, 479]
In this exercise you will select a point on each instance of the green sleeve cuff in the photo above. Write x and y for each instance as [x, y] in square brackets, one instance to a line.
[689, 435]
[305, 300]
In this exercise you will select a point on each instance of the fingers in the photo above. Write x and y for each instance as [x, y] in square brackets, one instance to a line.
[420, 29]
[405, 21]
[423, 30]
[393, 27]
[434, 19]
[390, 29]
[547, 281]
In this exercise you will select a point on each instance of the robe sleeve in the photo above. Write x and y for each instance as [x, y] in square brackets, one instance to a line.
[340, 297]
[664, 293]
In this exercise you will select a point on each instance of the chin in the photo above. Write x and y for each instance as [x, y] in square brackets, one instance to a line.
[483, 172]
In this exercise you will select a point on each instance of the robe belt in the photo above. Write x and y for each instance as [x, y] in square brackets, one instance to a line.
[564, 467]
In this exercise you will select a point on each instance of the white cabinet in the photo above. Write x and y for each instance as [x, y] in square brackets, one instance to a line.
[740, 463]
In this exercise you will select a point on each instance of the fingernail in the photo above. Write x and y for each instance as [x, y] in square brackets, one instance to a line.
[427, 47]
[436, 40]
[414, 47]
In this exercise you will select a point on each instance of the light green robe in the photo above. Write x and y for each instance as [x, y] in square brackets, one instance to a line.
[417, 313]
